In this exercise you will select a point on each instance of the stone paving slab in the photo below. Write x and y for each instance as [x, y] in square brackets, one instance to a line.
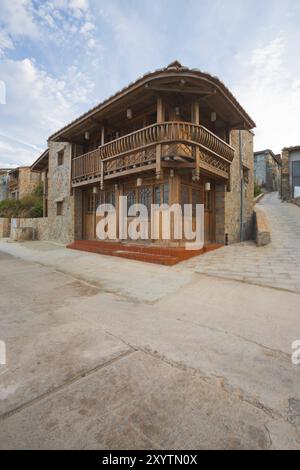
[275, 265]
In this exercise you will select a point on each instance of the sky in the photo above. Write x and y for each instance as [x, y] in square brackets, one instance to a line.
[59, 58]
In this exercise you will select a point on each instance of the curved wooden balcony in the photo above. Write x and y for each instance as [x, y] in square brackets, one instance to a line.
[138, 149]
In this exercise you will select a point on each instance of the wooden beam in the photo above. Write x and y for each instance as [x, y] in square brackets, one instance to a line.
[194, 91]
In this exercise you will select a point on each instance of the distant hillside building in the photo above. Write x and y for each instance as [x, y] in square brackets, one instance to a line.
[267, 169]
[290, 175]
[22, 181]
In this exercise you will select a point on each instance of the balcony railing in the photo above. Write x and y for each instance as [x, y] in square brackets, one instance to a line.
[115, 155]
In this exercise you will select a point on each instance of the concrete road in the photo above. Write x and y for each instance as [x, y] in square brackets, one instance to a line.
[108, 353]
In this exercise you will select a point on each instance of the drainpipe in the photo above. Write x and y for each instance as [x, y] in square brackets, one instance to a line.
[242, 185]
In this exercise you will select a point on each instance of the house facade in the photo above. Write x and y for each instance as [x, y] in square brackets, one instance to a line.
[21, 182]
[174, 136]
[290, 174]
[267, 170]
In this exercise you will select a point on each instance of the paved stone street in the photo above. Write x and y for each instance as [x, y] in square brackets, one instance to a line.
[275, 265]
[105, 353]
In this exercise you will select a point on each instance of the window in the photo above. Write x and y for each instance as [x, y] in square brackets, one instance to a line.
[59, 208]
[91, 201]
[130, 199]
[157, 198]
[60, 157]
[145, 197]
[165, 189]
[161, 194]
[185, 196]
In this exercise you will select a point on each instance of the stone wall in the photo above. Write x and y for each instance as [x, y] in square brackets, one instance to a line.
[28, 181]
[39, 225]
[285, 176]
[272, 174]
[239, 201]
[3, 186]
[4, 227]
[61, 227]
[260, 169]
[266, 171]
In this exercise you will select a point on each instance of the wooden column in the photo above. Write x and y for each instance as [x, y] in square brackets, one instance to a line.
[196, 120]
[102, 135]
[160, 119]
[195, 112]
[160, 110]
[118, 192]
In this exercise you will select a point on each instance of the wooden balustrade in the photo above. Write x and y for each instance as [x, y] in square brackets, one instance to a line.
[89, 164]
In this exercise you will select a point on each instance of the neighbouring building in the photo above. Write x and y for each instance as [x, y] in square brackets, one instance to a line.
[22, 181]
[4, 180]
[267, 170]
[175, 135]
[290, 174]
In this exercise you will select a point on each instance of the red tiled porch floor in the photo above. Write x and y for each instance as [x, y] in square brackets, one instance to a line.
[150, 253]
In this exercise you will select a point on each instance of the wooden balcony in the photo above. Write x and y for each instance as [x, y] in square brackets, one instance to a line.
[178, 143]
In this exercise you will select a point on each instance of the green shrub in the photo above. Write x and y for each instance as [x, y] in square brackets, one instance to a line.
[257, 190]
[29, 206]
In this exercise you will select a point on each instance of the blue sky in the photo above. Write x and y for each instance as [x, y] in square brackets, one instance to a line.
[59, 58]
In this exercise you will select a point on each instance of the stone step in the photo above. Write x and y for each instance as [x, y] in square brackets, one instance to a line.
[149, 253]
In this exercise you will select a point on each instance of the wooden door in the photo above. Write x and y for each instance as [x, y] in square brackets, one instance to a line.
[89, 215]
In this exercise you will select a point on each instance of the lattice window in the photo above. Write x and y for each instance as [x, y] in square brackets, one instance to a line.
[131, 199]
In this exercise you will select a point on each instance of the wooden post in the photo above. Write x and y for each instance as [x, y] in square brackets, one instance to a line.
[102, 135]
[196, 120]
[158, 162]
[72, 153]
[197, 161]
[160, 110]
[196, 112]
[228, 184]
[102, 175]
[160, 119]
[117, 209]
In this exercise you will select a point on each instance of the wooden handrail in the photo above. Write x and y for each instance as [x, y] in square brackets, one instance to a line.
[89, 164]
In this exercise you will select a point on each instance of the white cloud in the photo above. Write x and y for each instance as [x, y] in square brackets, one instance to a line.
[270, 91]
[5, 43]
[37, 105]
[18, 18]
[87, 27]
